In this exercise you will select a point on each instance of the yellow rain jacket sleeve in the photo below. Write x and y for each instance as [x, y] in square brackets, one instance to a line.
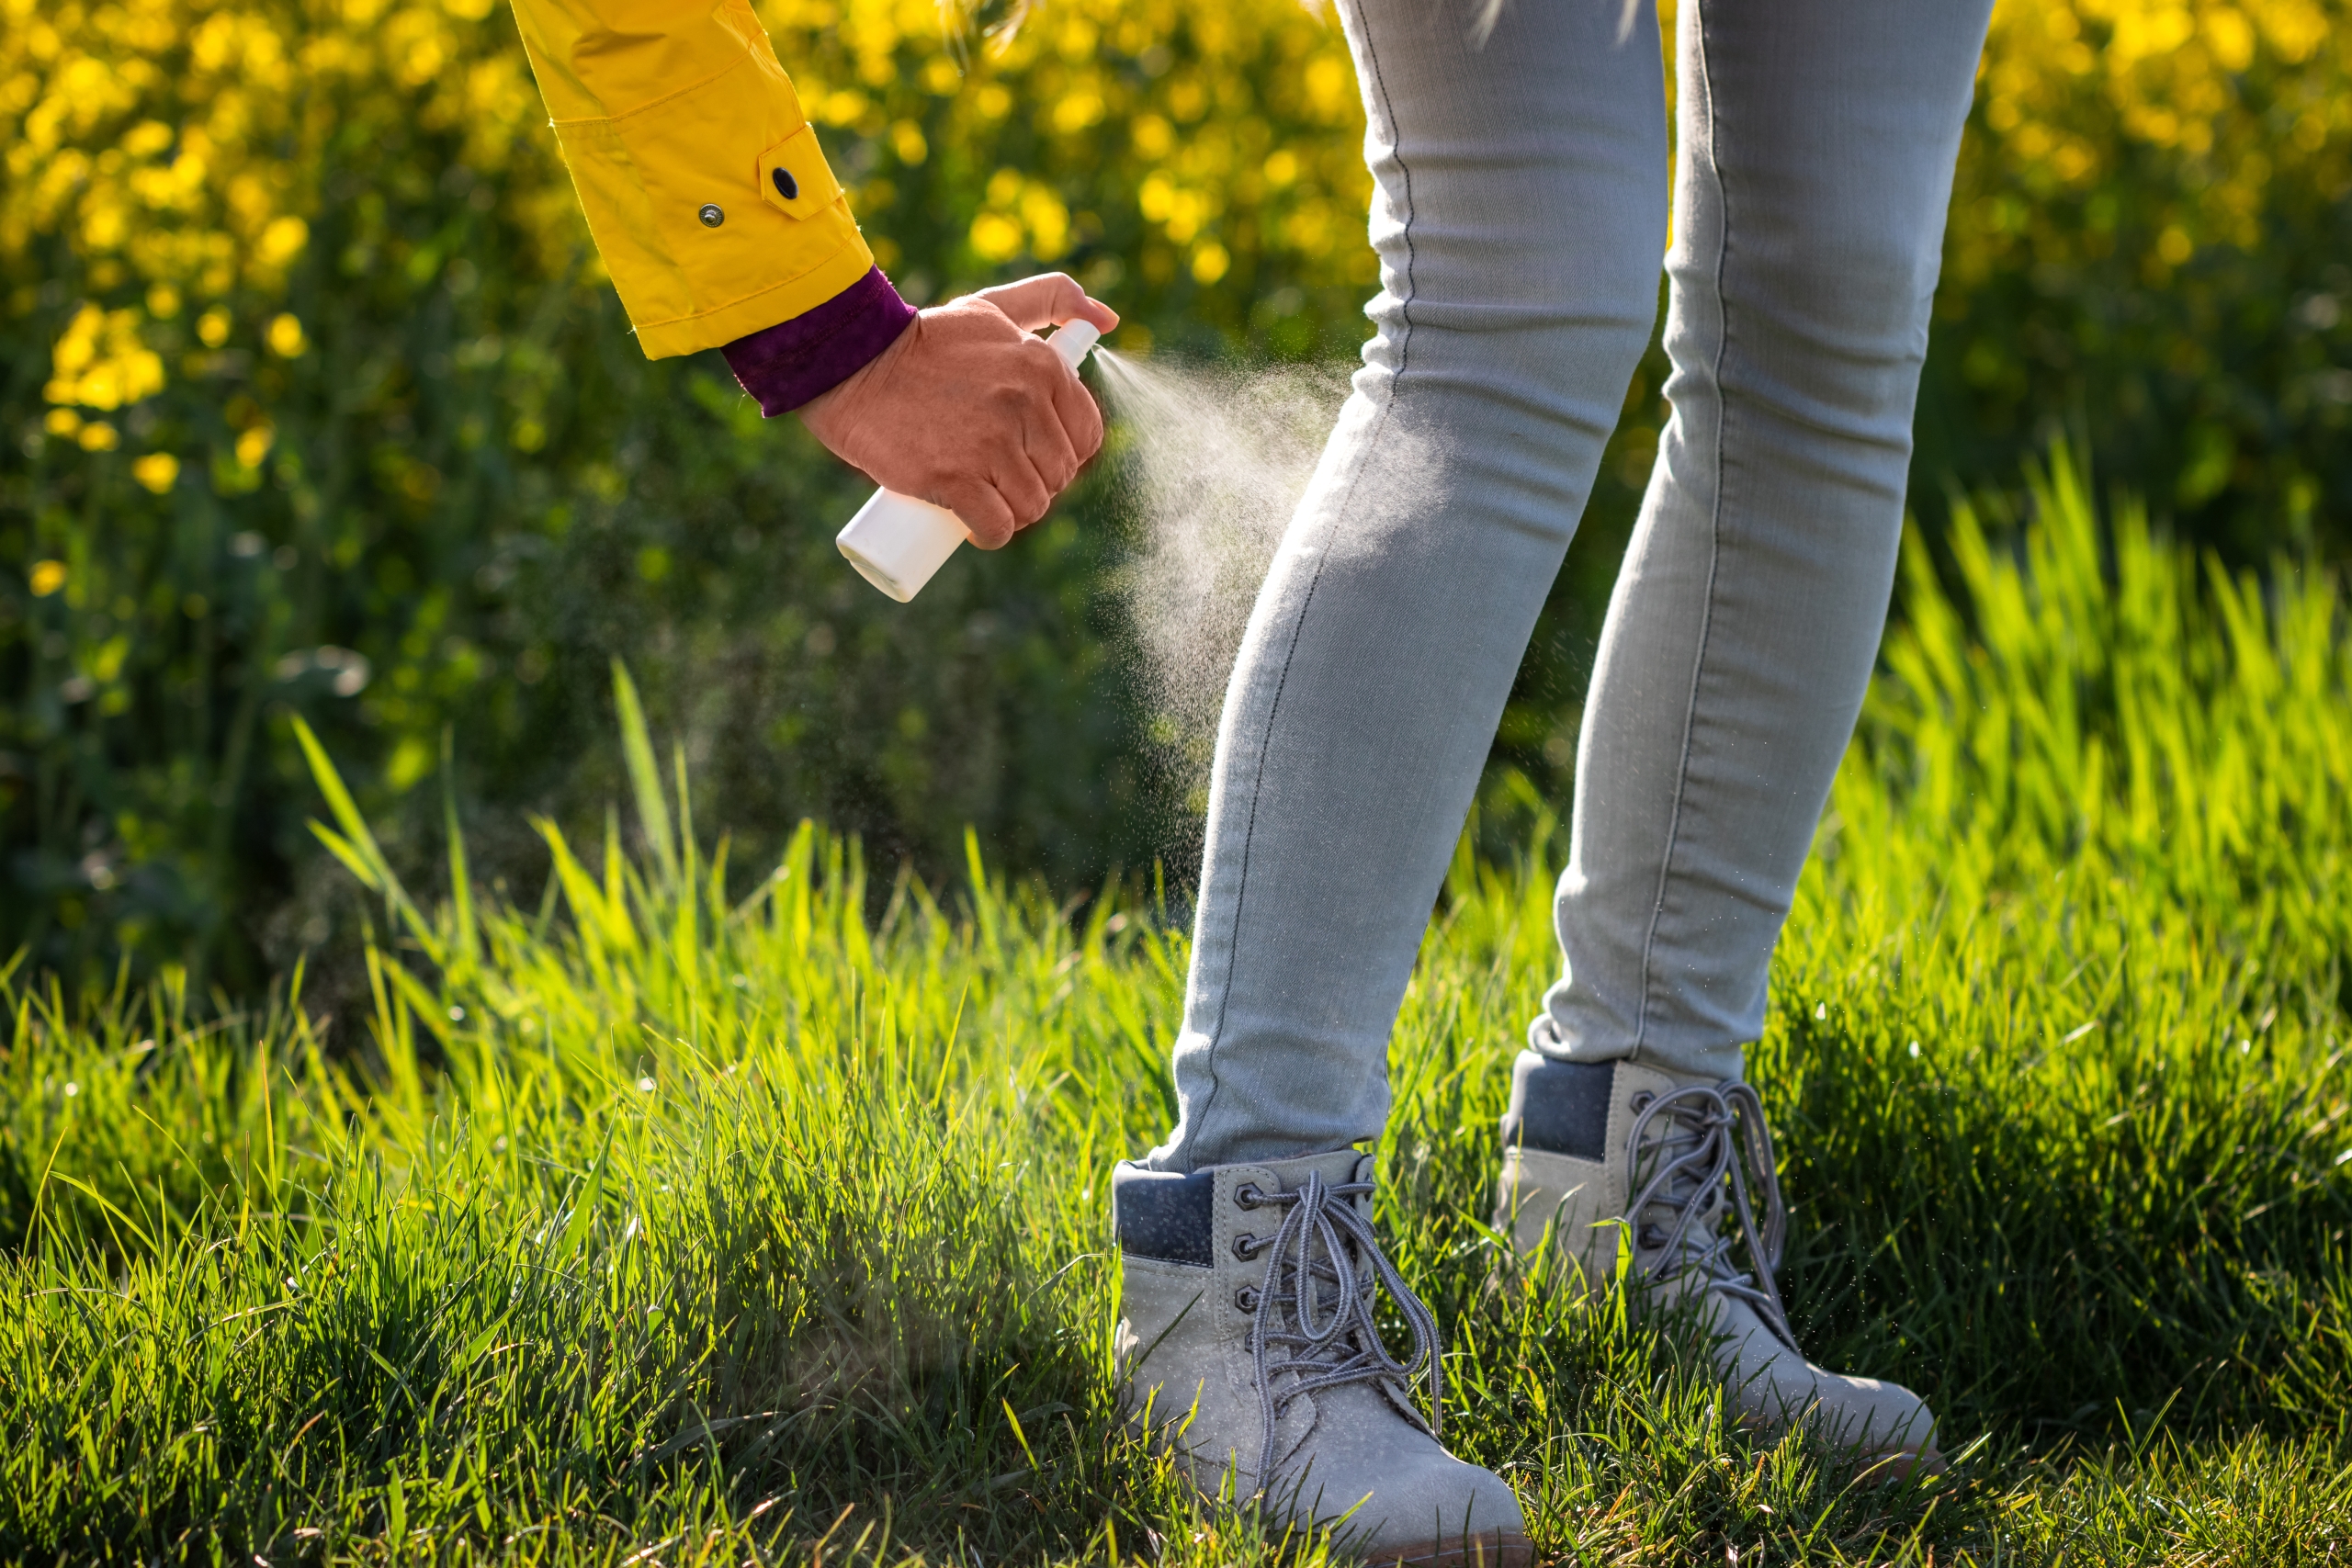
[711, 203]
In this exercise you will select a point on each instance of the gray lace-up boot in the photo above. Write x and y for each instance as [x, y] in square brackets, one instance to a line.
[1602, 1157]
[1247, 1345]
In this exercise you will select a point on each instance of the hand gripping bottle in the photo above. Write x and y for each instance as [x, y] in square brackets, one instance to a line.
[897, 542]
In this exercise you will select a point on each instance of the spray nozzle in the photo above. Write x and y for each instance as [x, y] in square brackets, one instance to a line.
[1075, 342]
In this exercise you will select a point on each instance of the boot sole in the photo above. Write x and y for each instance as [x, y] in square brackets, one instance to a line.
[1504, 1548]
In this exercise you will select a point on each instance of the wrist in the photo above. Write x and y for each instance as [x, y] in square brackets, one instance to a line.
[787, 366]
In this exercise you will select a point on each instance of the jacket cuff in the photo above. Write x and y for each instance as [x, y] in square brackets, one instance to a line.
[793, 362]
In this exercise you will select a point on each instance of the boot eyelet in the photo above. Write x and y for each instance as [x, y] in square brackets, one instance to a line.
[1642, 1101]
[1246, 1298]
[1248, 1197]
[1247, 1247]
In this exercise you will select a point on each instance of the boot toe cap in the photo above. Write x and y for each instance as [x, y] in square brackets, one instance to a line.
[1869, 1418]
[1874, 1418]
[1444, 1513]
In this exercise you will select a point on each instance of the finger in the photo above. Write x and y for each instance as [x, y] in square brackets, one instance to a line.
[1051, 451]
[1024, 489]
[1043, 300]
[1041, 417]
[981, 510]
[1049, 299]
[1082, 420]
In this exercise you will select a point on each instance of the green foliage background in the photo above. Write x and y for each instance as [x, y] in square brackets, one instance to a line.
[316, 404]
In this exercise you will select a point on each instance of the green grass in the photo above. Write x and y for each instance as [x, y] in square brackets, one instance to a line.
[653, 1224]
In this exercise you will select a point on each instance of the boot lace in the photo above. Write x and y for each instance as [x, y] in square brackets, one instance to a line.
[1313, 1313]
[1691, 1140]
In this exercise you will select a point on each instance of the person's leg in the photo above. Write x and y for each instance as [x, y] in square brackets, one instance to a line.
[1817, 141]
[1519, 214]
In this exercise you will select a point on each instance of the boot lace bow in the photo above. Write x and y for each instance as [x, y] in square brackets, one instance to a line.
[1313, 1317]
[1692, 1141]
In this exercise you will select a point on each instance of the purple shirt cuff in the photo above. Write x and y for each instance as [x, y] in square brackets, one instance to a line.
[787, 364]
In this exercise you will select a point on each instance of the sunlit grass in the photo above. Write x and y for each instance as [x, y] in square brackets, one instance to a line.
[661, 1222]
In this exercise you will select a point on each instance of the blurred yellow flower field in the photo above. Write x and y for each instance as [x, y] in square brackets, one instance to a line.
[175, 144]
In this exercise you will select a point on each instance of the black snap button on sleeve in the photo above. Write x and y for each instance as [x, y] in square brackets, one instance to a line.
[785, 186]
[711, 216]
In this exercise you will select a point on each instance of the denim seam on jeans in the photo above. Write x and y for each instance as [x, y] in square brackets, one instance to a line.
[1306, 604]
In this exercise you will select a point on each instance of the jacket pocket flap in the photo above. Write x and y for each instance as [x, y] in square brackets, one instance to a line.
[794, 178]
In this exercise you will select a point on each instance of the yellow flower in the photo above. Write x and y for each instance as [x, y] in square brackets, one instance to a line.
[147, 137]
[1331, 87]
[1077, 111]
[2231, 37]
[254, 446]
[157, 471]
[1047, 221]
[1210, 262]
[282, 241]
[212, 327]
[61, 421]
[47, 576]
[101, 363]
[1186, 211]
[995, 237]
[286, 339]
[1152, 135]
[80, 345]
[99, 436]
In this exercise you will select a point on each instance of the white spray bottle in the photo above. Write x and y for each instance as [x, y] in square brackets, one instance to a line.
[897, 542]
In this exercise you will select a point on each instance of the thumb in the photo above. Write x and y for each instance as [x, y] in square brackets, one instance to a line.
[1049, 299]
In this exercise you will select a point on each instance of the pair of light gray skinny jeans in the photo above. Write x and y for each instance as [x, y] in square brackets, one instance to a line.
[1519, 212]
